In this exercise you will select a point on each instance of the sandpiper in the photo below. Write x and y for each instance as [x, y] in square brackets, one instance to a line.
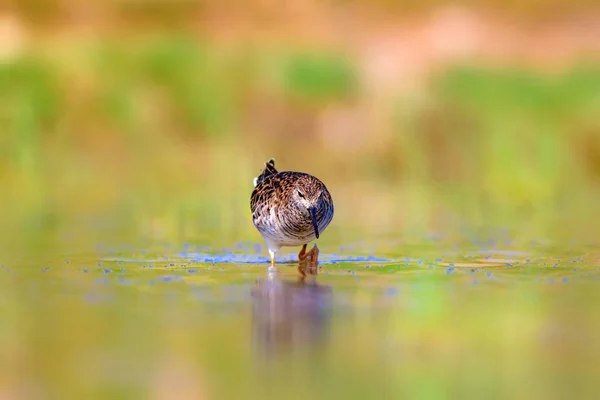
[290, 209]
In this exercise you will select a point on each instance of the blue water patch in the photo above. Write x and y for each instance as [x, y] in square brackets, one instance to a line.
[231, 258]
[259, 259]
[133, 260]
[506, 252]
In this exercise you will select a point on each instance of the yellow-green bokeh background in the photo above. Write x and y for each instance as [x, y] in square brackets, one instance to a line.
[154, 117]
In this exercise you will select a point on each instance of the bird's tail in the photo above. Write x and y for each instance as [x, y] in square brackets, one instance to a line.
[268, 171]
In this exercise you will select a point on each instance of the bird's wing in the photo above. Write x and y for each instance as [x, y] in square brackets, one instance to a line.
[268, 171]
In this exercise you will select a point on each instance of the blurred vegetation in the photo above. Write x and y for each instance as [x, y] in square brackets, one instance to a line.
[175, 12]
[163, 135]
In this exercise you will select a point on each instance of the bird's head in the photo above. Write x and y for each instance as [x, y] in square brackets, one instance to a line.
[307, 196]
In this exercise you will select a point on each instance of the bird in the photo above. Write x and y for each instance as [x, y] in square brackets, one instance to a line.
[290, 209]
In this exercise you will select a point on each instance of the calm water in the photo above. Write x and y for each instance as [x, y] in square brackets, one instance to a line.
[434, 320]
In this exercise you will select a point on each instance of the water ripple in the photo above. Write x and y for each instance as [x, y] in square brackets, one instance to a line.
[255, 258]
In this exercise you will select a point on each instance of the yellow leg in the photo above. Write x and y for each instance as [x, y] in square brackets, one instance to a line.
[272, 254]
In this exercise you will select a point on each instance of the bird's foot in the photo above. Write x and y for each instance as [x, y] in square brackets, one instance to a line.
[308, 262]
[314, 260]
[272, 269]
[302, 255]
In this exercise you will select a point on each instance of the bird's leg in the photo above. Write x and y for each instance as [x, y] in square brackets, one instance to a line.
[272, 254]
[311, 258]
[302, 254]
[302, 261]
[314, 259]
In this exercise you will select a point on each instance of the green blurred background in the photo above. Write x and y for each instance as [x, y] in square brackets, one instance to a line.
[154, 116]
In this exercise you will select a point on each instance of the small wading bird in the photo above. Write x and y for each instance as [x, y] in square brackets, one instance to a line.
[290, 209]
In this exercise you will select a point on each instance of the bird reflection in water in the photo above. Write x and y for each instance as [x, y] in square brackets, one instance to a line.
[290, 314]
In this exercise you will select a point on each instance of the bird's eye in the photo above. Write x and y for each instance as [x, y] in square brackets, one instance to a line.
[300, 194]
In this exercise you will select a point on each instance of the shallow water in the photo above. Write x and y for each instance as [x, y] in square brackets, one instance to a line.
[441, 320]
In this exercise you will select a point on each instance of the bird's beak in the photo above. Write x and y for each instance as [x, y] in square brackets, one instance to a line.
[313, 217]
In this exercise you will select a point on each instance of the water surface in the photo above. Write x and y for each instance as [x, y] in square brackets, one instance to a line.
[436, 320]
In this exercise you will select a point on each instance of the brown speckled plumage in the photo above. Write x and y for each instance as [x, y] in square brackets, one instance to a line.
[284, 205]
